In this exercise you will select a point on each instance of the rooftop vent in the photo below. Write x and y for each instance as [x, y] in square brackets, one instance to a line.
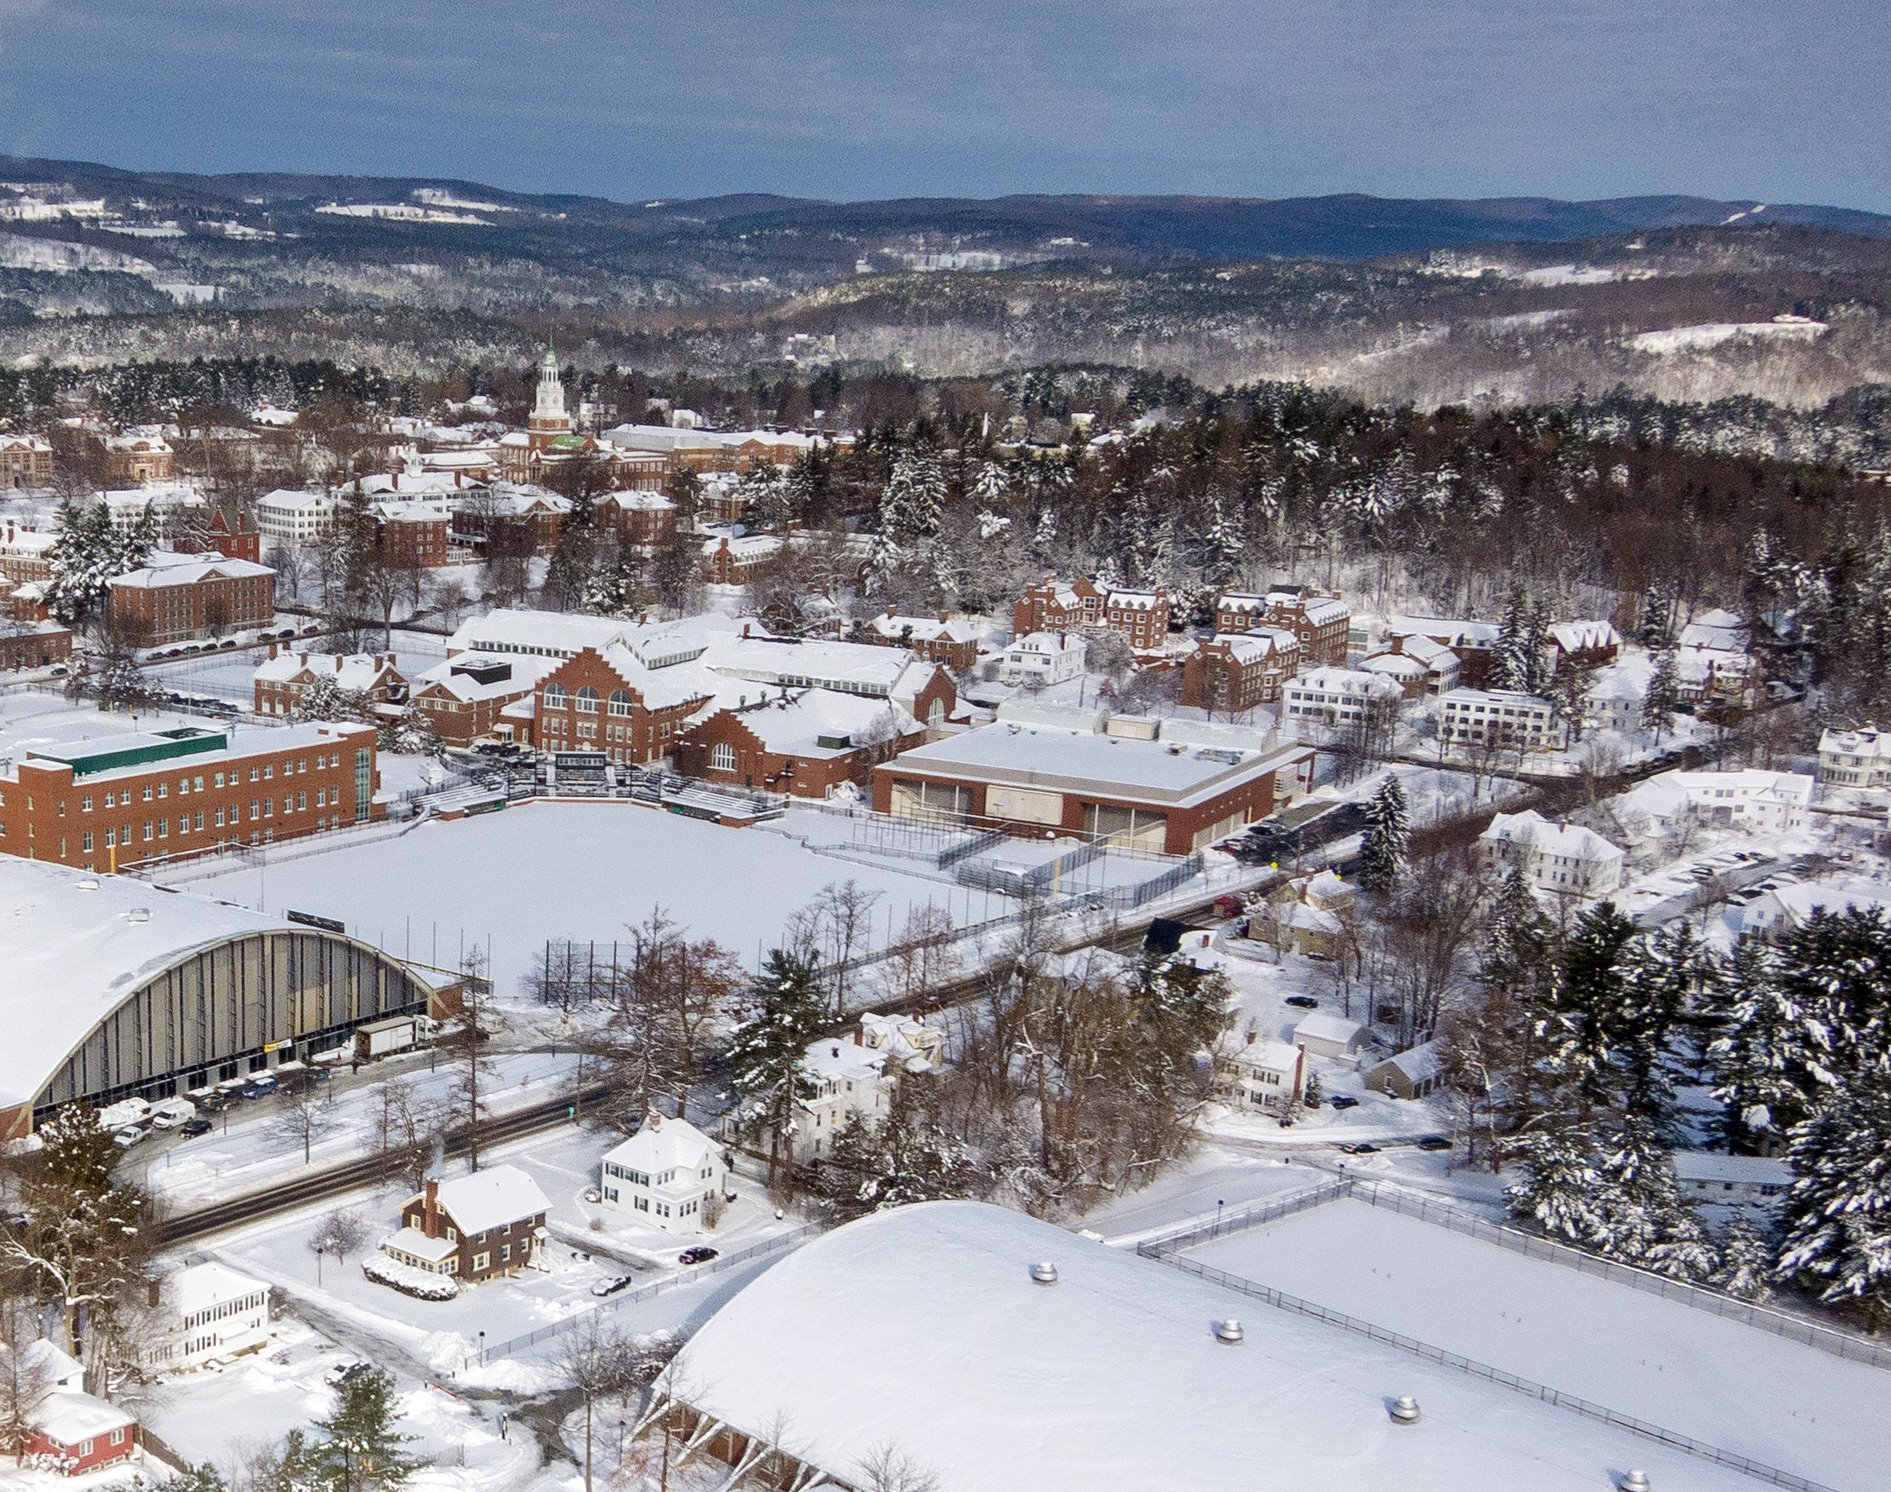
[1230, 1333]
[138, 914]
[1404, 1410]
[86, 883]
[1044, 1273]
[1635, 1481]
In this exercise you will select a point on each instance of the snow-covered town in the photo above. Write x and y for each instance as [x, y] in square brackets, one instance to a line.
[748, 839]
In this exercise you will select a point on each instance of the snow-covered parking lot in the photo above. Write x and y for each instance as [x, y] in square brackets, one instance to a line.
[1715, 1379]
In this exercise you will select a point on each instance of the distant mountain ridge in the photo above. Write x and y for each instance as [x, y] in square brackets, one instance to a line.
[1341, 226]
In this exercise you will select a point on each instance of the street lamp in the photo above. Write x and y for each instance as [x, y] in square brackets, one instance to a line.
[482, 1349]
[1219, 1204]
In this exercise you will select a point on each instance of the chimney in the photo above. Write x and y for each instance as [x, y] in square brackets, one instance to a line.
[859, 1036]
[430, 1209]
[152, 1290]
[274, 648]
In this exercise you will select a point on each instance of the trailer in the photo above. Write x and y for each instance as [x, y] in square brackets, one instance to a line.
[384, 1038]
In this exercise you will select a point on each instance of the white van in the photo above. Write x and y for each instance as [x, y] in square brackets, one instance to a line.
[173, 1113]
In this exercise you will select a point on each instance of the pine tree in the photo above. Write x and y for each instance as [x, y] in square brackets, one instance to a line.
[1588, 1019]
[789, 1010]
[1382, 847]
[1663, 693]
[1561, 1185]
[1836, 1224]
[361, 1450]
[1510, 657]
[1666, 974]
[1762, 1067]
[1745, 1268]
[1654, 627]
[904, 1158]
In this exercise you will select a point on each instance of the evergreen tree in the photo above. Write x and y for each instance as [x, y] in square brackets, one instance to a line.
[1836, 1224]
[361, 1449]
[1510, 656]
[1561, 1184]
[1665, 975]
[1761, 1067]
[1588, 1021]
[1382, 847]
[1745, 1268]
[789, 1010]
[906, 1157]
[1657, 705]
[1654, 626]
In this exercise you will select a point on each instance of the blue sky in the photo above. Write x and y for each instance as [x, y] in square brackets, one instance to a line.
[1780, 100]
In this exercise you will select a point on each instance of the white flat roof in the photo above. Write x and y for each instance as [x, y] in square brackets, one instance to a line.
[1079, 761]
[921, 1328]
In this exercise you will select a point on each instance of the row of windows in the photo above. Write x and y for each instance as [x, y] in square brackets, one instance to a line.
[243, 1305]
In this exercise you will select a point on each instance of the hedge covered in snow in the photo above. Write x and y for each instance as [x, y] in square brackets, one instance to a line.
[408, 1280]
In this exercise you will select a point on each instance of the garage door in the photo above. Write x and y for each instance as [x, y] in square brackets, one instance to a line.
[1024, 805]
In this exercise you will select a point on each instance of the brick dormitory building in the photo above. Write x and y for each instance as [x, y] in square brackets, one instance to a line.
[114, 801]
[178, 597]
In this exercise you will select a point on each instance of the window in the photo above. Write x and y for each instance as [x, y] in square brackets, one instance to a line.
[164, 790]
[85, 805]
[86, 842]
[587, 701]
[620, 702]
[554, 696]
[480, 1261]
[722, 758]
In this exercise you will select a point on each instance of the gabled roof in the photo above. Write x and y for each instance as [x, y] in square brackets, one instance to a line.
[492, 1198]
[198, 1287]
[662, 1145]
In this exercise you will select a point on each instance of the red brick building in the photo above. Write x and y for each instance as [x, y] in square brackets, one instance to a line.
[611, 702]
[233, 536]
[33, 645]
[137, 459]
[525, 521]
[1240, 671]
[729, 561]
[285, 676]
[951, 644]
[1053, 606]
[1319, 619]
[464, 697]
[25, 461]
[176, 602]
[805, 745]
[643, 518]
[411, 536]
[1140, 616]
[117, 801]
[472, 1227]
[1153, 795]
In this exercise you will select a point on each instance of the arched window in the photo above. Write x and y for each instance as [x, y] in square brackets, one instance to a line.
[587, 701]
[554, 696]
[722, 758]
[935, 714]
[620, 702]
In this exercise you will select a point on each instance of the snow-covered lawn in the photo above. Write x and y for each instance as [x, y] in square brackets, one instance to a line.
[446, 1335]
[1715, 1379]
[573, 870]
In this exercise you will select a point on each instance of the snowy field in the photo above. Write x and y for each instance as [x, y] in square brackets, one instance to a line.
[1734, 1387]
[572, 870]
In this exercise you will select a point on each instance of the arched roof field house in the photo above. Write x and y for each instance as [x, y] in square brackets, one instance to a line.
[113, 988]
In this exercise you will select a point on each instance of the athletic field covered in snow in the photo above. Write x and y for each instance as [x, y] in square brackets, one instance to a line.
[573, 870]
[1717, 1380]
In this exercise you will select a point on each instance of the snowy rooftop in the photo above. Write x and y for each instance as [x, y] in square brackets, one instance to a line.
[1321, 1025]
[237, 745]
[202, 1286]
[1531, 828]
[663, 1145]
[1707, 1165]
[547, 633]
[356, 671]
[216, 567]
[1451, 631]
[816, 722]
[74, 945]
[922, 1328]
[476, 676]
[70, 1418]
[1082, 761]
[491, 1198]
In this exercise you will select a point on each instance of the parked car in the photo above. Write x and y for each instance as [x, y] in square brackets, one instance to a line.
[1303, 1002]
[131, 1134]
[342, 1372]
[611, 1286]
[260, 1086]
[173, 1113]
[701, 1254]
[1343, 1101]
[1434, 1142]
[196, 1127]
[1364, 1147]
